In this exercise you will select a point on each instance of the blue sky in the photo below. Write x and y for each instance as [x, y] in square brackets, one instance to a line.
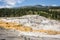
[17, 3]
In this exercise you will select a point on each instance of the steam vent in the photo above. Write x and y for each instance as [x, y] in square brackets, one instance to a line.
[29, 27]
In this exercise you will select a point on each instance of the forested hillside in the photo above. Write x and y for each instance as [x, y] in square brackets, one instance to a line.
[46, 11]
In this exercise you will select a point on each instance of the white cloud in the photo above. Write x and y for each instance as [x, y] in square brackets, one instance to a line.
[10, 3]
[54, 5]
[43, 4]
[6, 6]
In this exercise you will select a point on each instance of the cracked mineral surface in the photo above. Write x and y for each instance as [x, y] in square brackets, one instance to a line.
[37, 23]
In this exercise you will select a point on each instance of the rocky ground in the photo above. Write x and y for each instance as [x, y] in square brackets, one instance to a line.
[35, 22]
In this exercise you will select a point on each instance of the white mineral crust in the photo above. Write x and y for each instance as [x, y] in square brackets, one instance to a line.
[35, 22]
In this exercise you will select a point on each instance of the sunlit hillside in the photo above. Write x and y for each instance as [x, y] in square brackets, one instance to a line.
[46, 11]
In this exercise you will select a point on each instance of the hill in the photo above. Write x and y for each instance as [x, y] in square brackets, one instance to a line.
[52, 12]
